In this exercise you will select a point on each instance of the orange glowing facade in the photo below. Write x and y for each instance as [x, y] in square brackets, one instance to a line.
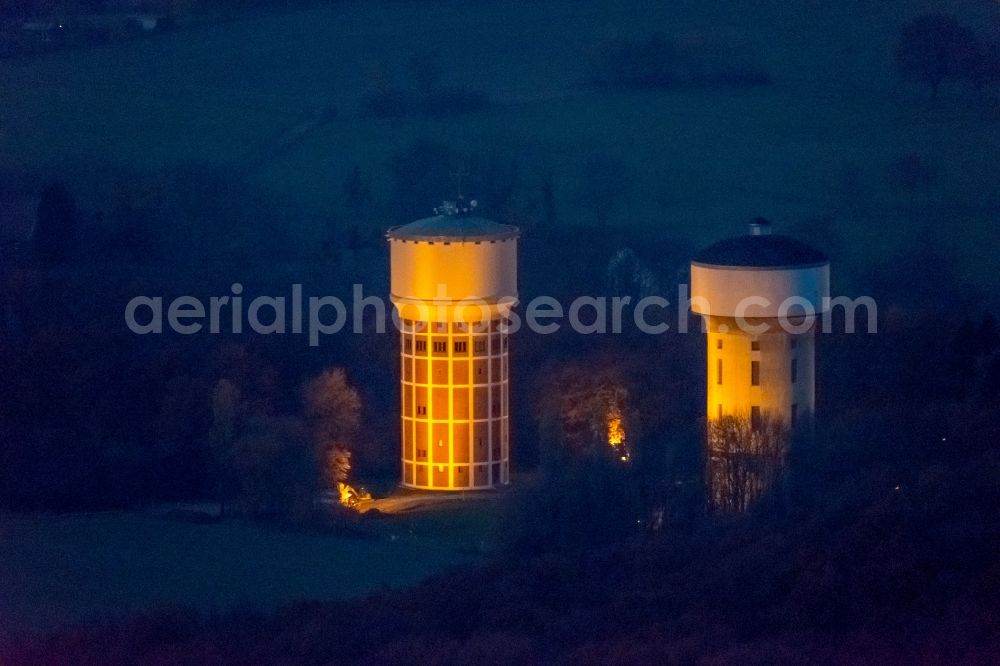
[453, 280]
[760, 296]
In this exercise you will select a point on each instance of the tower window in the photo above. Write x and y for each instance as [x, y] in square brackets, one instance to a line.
[407, 345]
[793, 343]
[755, 417]
[718, 343]
[720, 410]
[793, 414]
[421, 345]
[718, 371]
[795, 370]
[755, 345]
[461, 347]
[754, 373]
[421, 410]
[440, 347]
[479, 346]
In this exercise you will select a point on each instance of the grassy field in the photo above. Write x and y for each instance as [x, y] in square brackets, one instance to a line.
[700, 161]
[60, 569]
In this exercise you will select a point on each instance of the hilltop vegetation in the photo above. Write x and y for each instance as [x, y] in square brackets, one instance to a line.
[878, 554]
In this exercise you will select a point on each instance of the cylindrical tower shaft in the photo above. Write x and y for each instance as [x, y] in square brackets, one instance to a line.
[453, 284]
[455, 404]
[770, 371]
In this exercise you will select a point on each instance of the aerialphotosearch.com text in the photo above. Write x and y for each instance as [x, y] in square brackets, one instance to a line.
[319, 316]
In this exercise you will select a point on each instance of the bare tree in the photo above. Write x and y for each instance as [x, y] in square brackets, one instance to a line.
[744, 459]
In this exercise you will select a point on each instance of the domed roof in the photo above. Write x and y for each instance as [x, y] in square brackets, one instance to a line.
[760, 249]
[451, 228]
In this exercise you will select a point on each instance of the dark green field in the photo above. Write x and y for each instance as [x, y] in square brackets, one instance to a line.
[65, 569]
[246, 96]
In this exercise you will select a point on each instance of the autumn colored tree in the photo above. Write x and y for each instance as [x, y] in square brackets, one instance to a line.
[333, 416]
[590, 406]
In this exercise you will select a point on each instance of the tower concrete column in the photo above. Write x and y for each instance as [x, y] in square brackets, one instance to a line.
[454, 282]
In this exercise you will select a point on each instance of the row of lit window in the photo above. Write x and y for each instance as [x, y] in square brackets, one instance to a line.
[755, 344]
[457, 466]
[438, 430]
[444, 420]
[496, 413]
[460, 376]
[479, 346]
[478, 455]
[756, 418]
[436, 476]
[481, 446]
[462, 402]
[755, 372]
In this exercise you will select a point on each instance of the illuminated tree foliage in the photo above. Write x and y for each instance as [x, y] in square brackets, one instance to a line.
[333, 409]
[333, 415]
[591, 410]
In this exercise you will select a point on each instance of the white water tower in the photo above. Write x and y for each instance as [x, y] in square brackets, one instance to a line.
[761, 295]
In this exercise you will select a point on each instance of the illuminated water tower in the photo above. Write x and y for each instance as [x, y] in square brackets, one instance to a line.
[760, 296]
[454, 279]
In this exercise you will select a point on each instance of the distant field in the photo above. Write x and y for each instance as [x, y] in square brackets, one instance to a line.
[59, 569]
[702, 161]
